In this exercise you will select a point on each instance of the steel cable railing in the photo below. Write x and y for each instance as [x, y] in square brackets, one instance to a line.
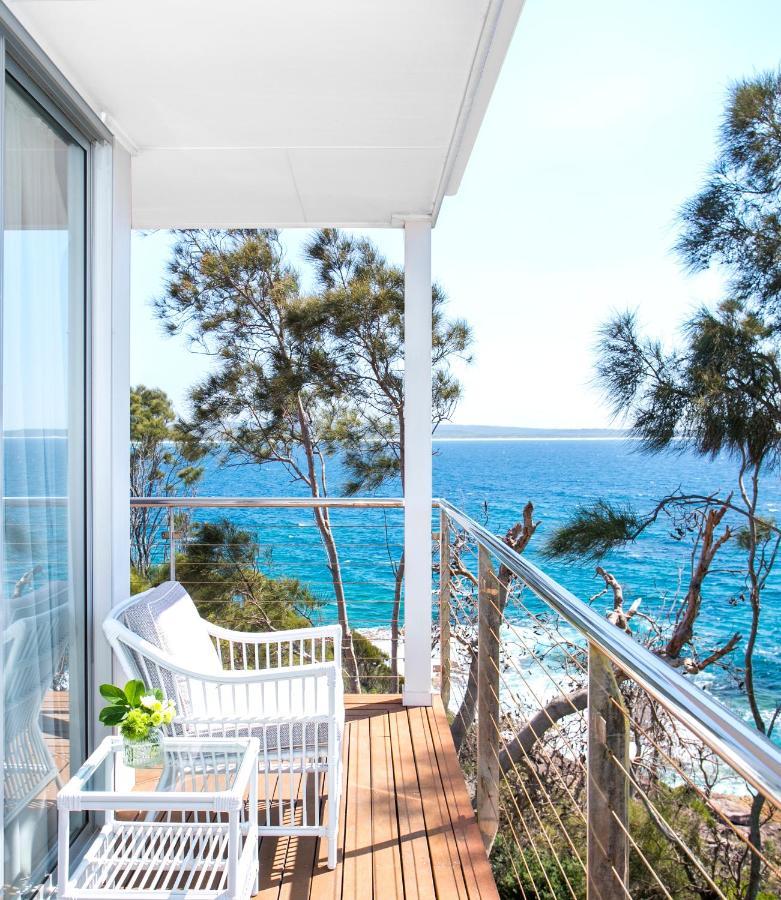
[271, 557]
[597, 770]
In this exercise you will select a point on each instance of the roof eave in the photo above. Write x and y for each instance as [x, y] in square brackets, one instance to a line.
[498, 29]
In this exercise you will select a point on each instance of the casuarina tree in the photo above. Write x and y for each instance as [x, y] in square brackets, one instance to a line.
[718, 393]
[300, 376]
[271, 394]
[163, 461]
[734, 221]
[359, 305]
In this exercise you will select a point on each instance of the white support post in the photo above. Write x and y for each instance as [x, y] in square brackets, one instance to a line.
[120, 374]
[417, 462]
[110, 376]
[110, 397]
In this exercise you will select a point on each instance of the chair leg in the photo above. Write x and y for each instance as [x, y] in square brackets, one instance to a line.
[332, 851]
[334, 790]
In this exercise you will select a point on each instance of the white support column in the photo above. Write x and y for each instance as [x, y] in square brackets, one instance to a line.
[110, 376]
[120, 375]
[417, 462]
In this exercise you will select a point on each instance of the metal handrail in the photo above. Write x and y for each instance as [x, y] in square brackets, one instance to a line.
[268, 502]
[743, 748]
[174, 503]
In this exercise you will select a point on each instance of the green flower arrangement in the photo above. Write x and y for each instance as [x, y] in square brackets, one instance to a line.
[137, 710]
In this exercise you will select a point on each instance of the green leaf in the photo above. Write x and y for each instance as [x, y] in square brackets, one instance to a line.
[112, 715]
[112, 693]
[134, 690]
[158, 694]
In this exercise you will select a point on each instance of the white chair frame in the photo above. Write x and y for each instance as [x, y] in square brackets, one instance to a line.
[293, 748]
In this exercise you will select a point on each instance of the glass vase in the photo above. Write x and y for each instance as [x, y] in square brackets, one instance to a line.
[146, 752]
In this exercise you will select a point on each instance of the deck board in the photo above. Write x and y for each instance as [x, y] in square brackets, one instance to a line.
[415, 855]
[386, 859]
[407, 829]
[326, 884]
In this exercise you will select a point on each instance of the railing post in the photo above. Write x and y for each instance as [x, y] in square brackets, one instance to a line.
[444, 608]
[608, 783]
[418, 558]
[172, 539]
[488, 624]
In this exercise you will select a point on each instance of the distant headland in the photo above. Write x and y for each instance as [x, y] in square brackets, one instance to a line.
[449, 431]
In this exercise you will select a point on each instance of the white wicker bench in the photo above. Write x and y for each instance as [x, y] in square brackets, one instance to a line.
[282, 687]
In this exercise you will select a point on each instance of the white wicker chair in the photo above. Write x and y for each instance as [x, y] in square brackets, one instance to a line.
[33, 646]
[283, 687]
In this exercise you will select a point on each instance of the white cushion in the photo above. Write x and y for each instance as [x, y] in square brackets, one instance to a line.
[166, 617]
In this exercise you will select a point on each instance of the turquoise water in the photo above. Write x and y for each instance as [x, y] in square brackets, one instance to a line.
[492, 480]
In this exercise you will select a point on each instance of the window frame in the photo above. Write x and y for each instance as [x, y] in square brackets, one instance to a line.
[38, 77]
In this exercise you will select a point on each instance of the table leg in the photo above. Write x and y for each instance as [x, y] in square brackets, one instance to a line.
[63, 851]
[233, 854]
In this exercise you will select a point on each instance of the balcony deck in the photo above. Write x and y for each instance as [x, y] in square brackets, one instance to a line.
[406, 825]
[407, 829]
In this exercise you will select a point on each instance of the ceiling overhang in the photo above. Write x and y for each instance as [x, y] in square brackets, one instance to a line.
[286, 113]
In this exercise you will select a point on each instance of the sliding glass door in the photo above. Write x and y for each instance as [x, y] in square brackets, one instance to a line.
[44, 404]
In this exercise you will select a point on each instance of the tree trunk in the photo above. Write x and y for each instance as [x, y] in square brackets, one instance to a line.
[144, 528]
[520, 747]
[349, 662]
[755, 597]
[323, 522]
[465, 716]
[755, 837]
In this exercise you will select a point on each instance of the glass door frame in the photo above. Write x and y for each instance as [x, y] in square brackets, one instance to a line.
[34, 73]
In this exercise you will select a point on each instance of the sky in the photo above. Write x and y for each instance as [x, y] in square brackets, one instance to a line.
[602, 123]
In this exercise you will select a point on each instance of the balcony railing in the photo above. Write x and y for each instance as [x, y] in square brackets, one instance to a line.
[369, 537]
[596, 768]
[606, 769]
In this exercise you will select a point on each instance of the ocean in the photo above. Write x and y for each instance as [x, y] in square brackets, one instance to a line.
[492, 480]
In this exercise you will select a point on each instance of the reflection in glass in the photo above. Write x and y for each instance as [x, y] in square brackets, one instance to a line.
[43, 421]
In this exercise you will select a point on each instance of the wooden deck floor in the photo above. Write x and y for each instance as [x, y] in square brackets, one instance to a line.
[406, 825]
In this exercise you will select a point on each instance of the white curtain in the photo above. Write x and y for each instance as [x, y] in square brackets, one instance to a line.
[43, 474]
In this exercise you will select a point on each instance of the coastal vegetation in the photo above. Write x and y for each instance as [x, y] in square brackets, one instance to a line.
[688, 838]
[162, 463]
[717, 393]
[300, 376]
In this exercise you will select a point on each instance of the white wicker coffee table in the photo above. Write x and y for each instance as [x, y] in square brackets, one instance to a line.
[195, 833]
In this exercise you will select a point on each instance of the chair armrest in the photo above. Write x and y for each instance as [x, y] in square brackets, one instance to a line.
[122, 640]
[253, 676]
[302, 636]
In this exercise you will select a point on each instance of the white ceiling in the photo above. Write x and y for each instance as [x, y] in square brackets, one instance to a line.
[283, 112]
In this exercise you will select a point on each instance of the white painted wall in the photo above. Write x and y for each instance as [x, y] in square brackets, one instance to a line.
[417, 462]
[120, 375]
[110, 414]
